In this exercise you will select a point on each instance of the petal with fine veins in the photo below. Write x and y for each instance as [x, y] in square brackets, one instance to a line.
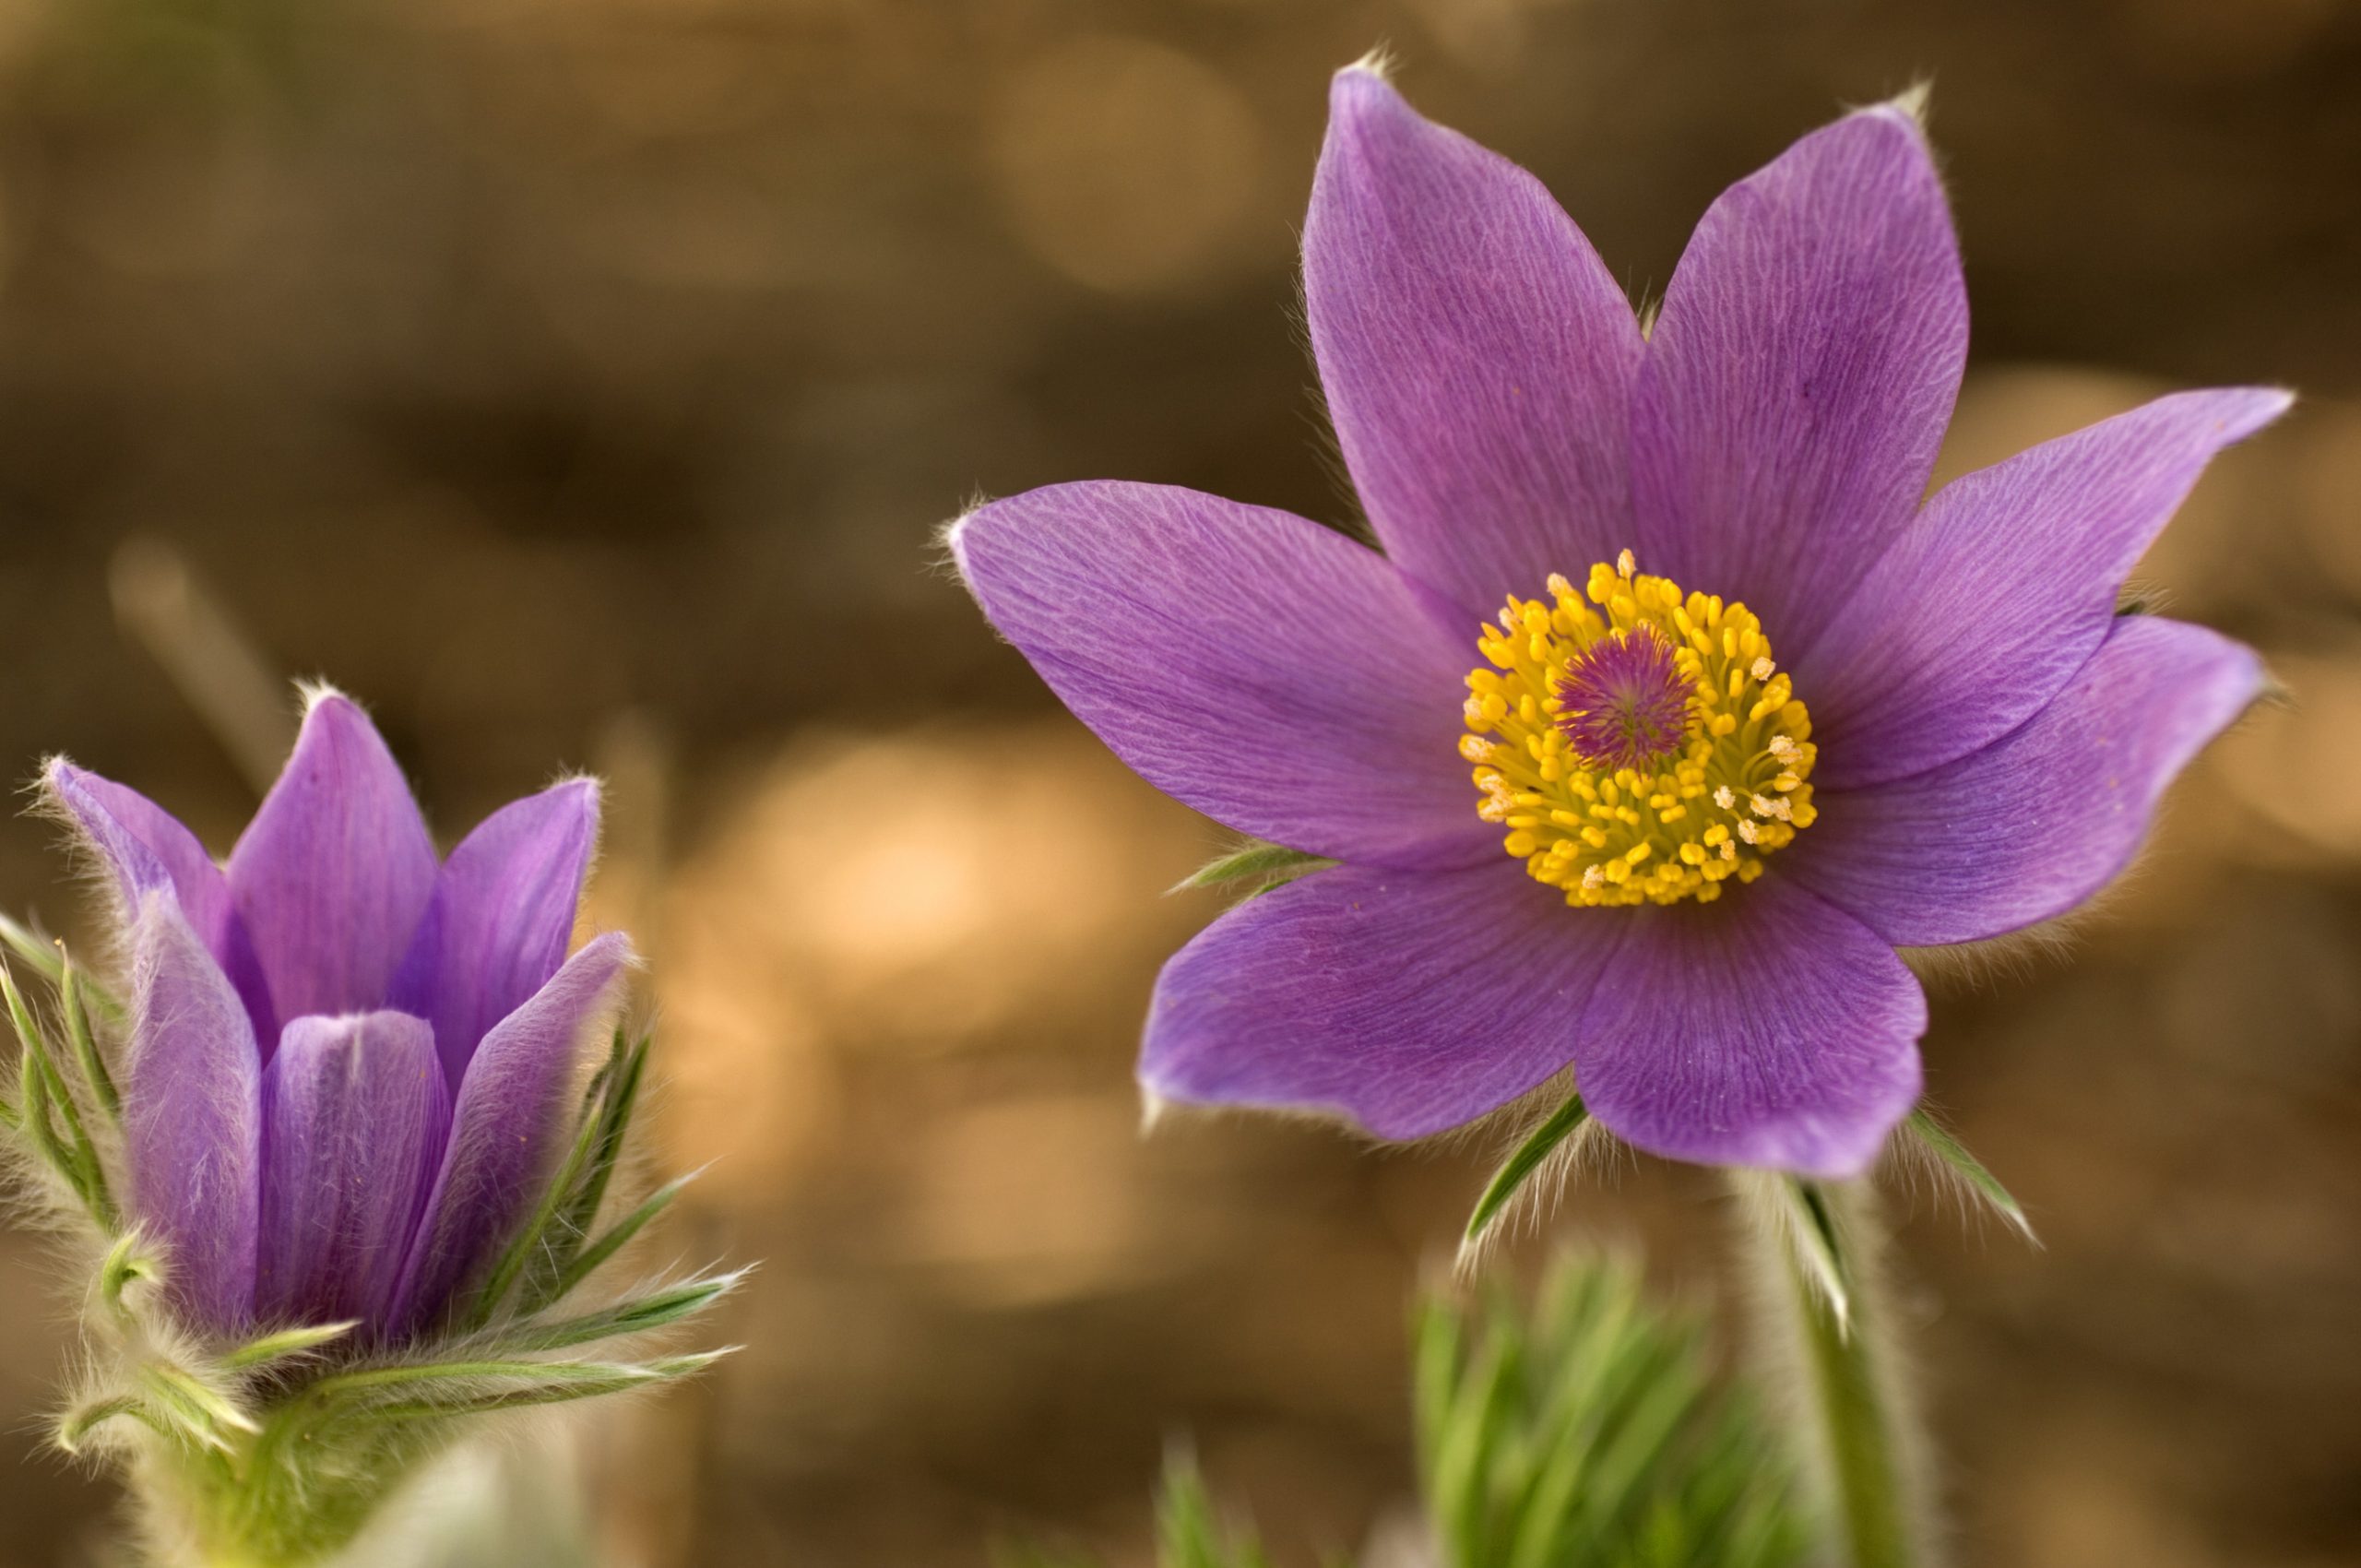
[192, 1112]
[1766, 1028]
[502, 912]
[1990, 600]
[354, 1112]
[145, 848]
[1275, 675]
[1476, 355]
[506, 1130]
[1800, 376]
[332, 876]
[2039, 820]
[1408, 1002]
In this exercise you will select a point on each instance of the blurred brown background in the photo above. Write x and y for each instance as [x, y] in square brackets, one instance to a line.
[579, 381]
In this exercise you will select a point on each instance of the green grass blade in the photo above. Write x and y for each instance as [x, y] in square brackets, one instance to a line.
[1584, 1431]
[1188, 1531]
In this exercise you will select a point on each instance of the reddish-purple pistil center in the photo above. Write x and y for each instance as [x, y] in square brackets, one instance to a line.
[1622, 702]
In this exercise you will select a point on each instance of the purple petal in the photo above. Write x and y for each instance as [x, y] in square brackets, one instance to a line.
[1989, 602]
[1274, 675]
[502, 911]
[146, 848]
[336, 870]
[1798, 381]
[1476, 355]
[514, 1112]
[354, 1111]
[192, 1111]
[2038, 821]
[1768, 1029]
[1409, 1003]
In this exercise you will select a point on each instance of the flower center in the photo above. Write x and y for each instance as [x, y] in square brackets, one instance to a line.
[1640, 745]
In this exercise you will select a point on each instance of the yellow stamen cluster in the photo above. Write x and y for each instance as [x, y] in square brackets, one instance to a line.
[1679, 825]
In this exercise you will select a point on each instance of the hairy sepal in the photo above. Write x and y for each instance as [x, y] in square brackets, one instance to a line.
[1926, 1145]
[1255, 867]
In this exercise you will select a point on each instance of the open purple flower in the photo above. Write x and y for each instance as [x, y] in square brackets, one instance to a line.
[1713, 846]
[349, 1063]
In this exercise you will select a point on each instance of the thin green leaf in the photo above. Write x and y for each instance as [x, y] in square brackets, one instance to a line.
[193, 1411]
[480, 1388]
[75, 1427]
[1513, 1174]
[620, 1235]
[618, 1099]
[643, 1315]
[286, 1345]
[124, 1267]
[1817, 1250]
[1663, 1402]
[74, 1003]
[1461, 1482]
[32, 1094]
[36, 950]
[410, 1377]
[80, 1165]
[1274, 863]
[1603, 1372]
[530, 1241]
[32, 1088]
[1970, 1170]
[1188, 1531]
[1583, 1431]
[48, 958]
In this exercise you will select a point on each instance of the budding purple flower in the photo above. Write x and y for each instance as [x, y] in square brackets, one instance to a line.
[351, 1067]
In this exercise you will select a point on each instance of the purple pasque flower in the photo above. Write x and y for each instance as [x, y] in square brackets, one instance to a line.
[1956, 736]
[348, 1061]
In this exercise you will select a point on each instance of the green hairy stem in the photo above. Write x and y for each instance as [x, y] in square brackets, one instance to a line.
[1817, 1249]
[256, 1507]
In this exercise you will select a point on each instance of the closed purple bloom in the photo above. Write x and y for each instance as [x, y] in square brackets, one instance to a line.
[350, 1063]
[1591, 540]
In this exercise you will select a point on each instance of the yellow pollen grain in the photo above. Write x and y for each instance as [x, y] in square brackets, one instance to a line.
[1736, 788]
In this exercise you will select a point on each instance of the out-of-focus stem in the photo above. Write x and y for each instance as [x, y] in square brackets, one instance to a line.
[160, 601]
